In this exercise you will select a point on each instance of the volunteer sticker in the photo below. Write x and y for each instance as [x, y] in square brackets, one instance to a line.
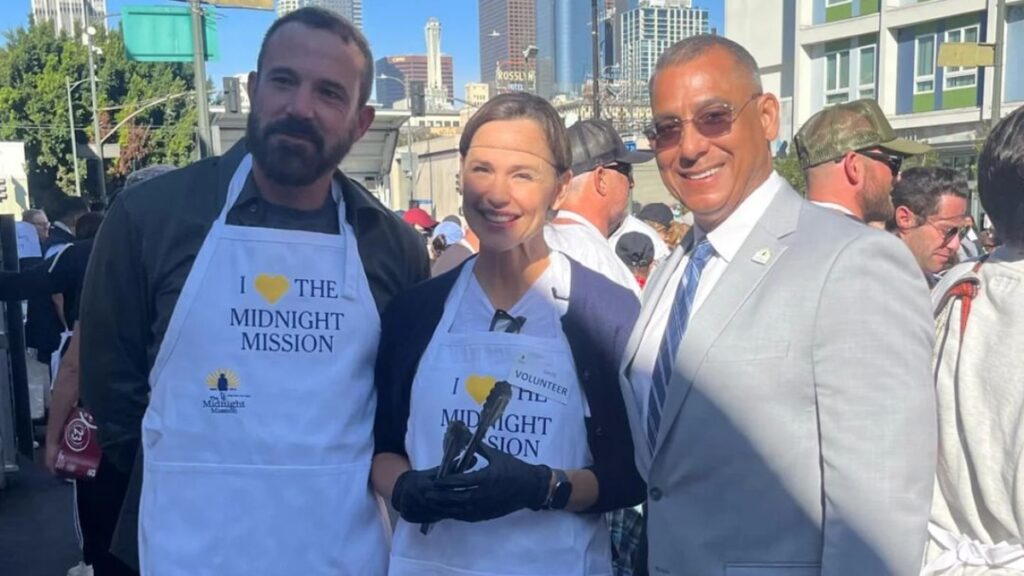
[537, 377]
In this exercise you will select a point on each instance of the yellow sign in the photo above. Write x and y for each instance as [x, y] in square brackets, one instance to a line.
[966, 54]
[254, 4]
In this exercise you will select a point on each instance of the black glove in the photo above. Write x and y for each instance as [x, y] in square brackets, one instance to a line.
[415, 497]
[506, 485]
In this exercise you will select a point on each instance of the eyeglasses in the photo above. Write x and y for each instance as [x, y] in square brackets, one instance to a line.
[505, 322]
[947, 235]
[713, 121]
[622, 168]
[894, 162]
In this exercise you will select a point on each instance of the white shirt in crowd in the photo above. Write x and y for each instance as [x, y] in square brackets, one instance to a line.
[726, 239]
[583, 242]
[634, 224]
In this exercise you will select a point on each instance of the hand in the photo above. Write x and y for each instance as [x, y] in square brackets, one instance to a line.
[50, 458]
[506, 485]
[414, 497]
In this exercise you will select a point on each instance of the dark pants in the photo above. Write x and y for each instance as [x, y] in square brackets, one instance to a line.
[99, 505]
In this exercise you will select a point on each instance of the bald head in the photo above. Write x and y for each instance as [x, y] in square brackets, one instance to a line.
[691, 48]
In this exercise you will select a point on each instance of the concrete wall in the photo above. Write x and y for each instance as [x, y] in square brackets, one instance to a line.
[12, 169]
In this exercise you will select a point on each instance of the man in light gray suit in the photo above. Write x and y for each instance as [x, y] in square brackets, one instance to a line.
[778, 380]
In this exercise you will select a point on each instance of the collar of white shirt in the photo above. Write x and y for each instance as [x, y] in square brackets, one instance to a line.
[730, 235]
[834, 206]
[579, 219]
[62, 226]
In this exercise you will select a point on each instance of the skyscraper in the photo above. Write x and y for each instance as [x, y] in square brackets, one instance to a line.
[68, 15]
[409, 68]
[507, 29]
[436, 96]
[564, 56]
[649, 29]
[352, 10]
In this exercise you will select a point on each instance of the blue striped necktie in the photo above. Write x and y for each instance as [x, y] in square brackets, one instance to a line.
[675, 328]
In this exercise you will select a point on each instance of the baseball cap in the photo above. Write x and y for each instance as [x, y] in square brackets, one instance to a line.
[450, 231]
[635, 249]
[656, 212]
[842, 128]
[419, 217]
[596, 143]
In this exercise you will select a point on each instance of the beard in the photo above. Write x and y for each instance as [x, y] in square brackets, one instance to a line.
[290, 163]
[877, 201]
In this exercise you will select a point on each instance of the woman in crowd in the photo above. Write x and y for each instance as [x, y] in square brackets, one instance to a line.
[561, 454]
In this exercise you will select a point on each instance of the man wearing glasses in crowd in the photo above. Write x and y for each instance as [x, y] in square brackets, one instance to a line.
[930, 216]
[851, 158]
[778, 379]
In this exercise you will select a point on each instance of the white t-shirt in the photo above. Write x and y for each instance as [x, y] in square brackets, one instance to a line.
[539, 305]
[726, 239]
[634, 224]
[581, 241]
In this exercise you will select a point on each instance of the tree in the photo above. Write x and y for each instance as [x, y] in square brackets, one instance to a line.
[789, 168]
[34, 65]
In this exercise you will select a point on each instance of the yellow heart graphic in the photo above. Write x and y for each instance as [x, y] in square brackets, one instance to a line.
[272, 288]
[479, 387]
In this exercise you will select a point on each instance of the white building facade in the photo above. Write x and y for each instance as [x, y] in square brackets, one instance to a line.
[648, 30]
[70, 15]
[815, 53]
[352, 10]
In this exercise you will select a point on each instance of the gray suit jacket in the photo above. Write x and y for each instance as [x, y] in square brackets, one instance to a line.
[799, 434]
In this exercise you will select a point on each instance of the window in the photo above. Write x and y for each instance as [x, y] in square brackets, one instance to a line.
[866, 72]
[959, 76]
[837, 77]
[924, 64]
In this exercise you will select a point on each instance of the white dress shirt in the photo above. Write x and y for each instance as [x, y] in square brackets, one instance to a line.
[634, 224]
[834, 206]
[726, 239]
[584, 243]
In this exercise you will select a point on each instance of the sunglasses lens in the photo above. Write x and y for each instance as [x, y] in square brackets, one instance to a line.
[664, 135]
[714, 122]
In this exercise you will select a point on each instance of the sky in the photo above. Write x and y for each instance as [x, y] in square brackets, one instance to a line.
[392, 27]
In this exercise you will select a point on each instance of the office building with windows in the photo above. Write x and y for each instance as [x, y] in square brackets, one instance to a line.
[564, 48]
[507, 29]
[648, 30]
[352, 10]
[70, 15]
[841, 50]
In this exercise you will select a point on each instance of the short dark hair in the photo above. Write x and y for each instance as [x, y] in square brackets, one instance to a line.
[1001, 178]
[67, 206]
[88, 225]
[520, 105]
[919, 189]
[320, 19]
[693, 47]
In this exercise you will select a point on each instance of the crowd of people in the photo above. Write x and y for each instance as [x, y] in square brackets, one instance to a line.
[778, 385]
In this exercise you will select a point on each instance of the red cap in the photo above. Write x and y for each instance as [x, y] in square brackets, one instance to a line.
[419, 217]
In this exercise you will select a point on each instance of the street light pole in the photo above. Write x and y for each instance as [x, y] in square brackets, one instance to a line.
[997, 68]
[74, 144]
[199, 71]
[408, 131]
[596, 62]
[102, 174]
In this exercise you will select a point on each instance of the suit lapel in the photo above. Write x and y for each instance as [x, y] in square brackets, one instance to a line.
[742, 276]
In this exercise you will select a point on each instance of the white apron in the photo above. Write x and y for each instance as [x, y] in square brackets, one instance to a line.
[456, 367]
[259, 432]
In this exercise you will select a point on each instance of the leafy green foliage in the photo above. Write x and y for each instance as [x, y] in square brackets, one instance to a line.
[34, 66]
[789, 168]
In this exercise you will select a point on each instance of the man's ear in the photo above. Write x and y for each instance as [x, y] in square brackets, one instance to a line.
[905, 219]
[365, 120]
[853, 168]
[250, 87]
[599, 174]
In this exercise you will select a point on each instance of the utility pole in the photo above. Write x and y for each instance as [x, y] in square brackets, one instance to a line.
[74, 144]
[199, 70]
[102, 173]
[997, 68]
[596, 67]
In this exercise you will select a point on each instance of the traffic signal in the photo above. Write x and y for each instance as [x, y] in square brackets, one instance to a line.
[3, 188]
[417, 98]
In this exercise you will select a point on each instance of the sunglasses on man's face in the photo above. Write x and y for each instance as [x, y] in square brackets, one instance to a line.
[713, 121]
[949, 234]
[892, 161]
[622, 168]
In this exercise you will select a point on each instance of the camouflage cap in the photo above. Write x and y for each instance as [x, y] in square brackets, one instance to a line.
[857, 125]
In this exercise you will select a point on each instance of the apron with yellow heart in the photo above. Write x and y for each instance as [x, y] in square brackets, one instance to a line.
[258, 436]
[454, 377]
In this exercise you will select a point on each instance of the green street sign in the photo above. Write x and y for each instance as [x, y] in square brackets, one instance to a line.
[164, 33]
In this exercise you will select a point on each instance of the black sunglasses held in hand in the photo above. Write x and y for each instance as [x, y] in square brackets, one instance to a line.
[713, 121]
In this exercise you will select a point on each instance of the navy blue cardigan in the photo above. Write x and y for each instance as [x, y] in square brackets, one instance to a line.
[597, 324]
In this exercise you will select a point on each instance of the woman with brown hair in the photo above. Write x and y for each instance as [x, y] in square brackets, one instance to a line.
[561, 453]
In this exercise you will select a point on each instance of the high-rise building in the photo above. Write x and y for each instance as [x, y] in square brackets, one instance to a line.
[70, 15]
[409, 68]
[437, 98]
[352, 10]
[647, 31]
[507, 29]
[817, 53]
[564, 57]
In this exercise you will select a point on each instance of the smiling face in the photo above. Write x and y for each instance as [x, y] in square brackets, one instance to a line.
[509, 184]
[305, 104]
[712, 176]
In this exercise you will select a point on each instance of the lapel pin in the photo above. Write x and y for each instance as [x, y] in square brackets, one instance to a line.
[762, 256]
